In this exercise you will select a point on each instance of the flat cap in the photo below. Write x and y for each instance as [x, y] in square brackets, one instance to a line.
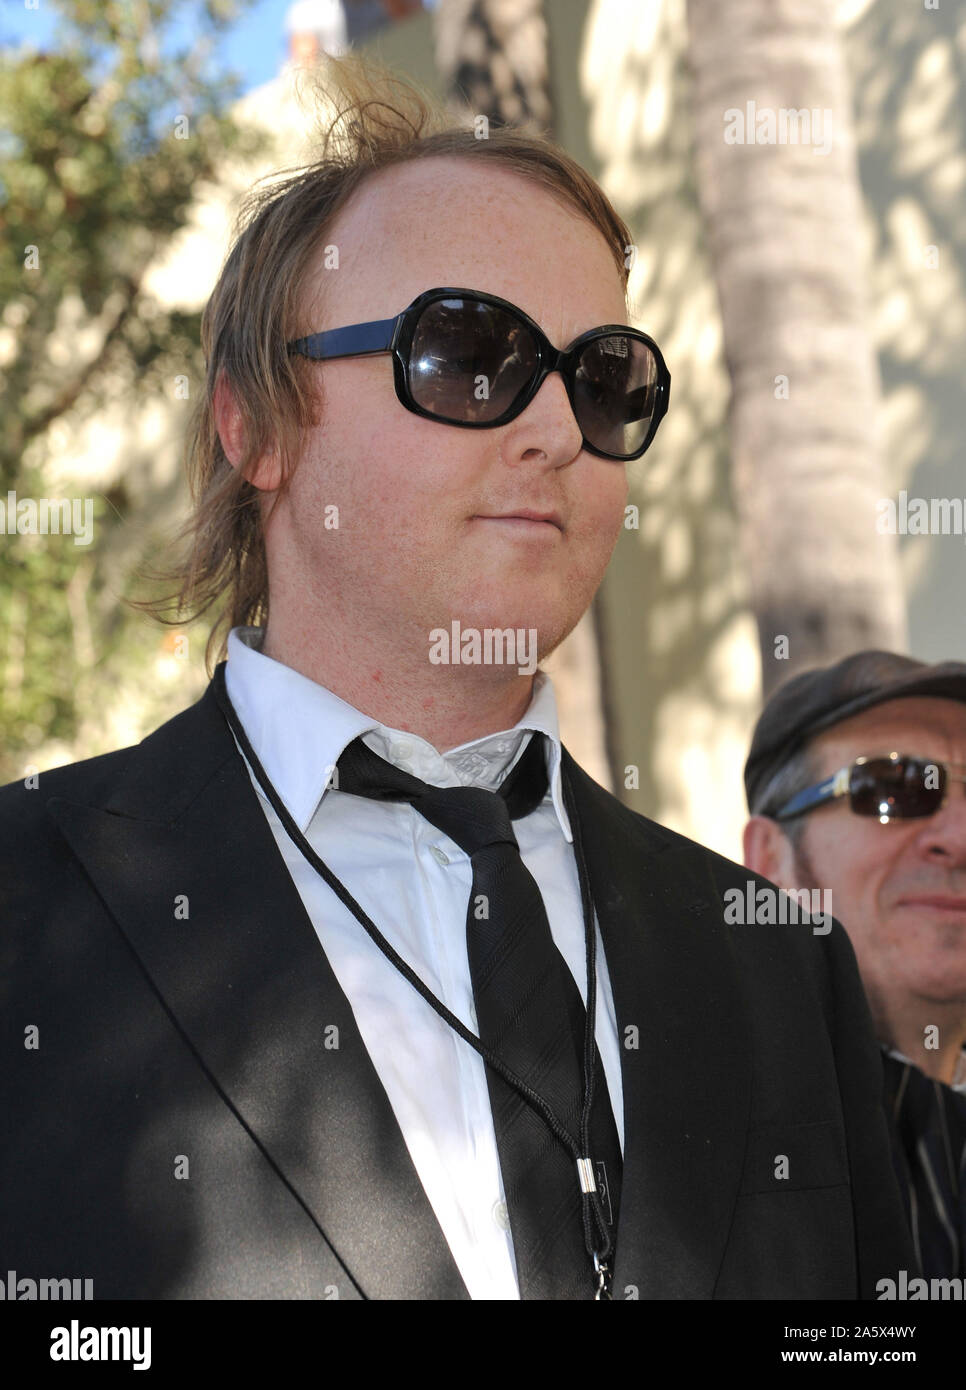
[815, 700]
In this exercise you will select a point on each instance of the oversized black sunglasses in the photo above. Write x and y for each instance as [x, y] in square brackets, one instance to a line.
[470, 359]
[891, 787]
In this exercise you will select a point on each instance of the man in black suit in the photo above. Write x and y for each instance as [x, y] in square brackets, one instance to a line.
[289, 1012]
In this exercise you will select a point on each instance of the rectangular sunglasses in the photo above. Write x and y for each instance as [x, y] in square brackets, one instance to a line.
[891, 787]
[476, 361]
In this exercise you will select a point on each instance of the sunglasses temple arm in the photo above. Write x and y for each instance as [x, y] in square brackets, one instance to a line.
[815, 796]
[357, 341]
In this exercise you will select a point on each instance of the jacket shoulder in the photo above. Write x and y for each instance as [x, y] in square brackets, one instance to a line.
[91, 781]
[657, 836]
[71, 780]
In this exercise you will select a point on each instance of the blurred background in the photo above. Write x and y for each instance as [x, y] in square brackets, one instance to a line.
[794, 176]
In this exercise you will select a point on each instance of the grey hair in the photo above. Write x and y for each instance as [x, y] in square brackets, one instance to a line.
[794, 775]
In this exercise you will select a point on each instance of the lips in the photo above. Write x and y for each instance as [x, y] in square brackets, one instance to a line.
[525, 514]
[941, 900]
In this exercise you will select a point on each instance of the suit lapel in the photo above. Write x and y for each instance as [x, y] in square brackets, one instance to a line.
[184, 860]
[186, 863]
[686, 1080]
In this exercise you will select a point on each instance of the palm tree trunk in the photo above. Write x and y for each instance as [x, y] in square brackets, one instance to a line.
[779, 192]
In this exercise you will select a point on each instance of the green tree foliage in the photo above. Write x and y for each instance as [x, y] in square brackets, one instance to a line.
[105, 139]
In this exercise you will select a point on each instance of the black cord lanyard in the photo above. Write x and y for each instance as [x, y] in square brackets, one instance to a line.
[599, 1246]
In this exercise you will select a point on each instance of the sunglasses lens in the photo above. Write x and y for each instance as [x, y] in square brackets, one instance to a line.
[615, 393]
[469, 361]
[899, 789]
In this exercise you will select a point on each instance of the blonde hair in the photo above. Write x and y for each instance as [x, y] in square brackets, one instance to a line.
[257, 305]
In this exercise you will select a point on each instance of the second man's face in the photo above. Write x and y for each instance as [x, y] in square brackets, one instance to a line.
[899, 889]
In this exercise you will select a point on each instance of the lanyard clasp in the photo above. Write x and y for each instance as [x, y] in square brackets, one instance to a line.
[602, 1294]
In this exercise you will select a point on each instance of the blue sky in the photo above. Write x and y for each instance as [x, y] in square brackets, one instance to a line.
[254, 47]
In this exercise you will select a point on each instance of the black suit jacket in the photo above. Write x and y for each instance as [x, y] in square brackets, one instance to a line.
[184, 1127]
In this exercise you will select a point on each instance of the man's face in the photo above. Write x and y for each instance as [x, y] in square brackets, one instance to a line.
[899, 889]
[418, 543]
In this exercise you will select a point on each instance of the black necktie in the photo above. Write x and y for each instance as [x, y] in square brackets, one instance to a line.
[529, 1014]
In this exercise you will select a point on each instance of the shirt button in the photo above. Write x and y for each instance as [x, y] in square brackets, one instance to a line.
[438, 854]
[501, 1216]
[404, 748]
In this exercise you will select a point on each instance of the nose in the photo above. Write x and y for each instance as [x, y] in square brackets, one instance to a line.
[943, 836]
[548, 424]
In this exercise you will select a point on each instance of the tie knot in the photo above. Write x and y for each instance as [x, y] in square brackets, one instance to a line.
[471, 816]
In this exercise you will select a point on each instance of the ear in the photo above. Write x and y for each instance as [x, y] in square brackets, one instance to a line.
[768, 851]
[264, 473]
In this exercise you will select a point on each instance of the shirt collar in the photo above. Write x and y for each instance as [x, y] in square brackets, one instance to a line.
[299, 730]
[958, 1082]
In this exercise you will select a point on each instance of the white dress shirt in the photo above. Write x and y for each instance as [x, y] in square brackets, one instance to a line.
[958, 1082]
[414, 882]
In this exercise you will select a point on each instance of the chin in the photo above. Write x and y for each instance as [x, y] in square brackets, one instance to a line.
[943, 985]
[517, 608]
